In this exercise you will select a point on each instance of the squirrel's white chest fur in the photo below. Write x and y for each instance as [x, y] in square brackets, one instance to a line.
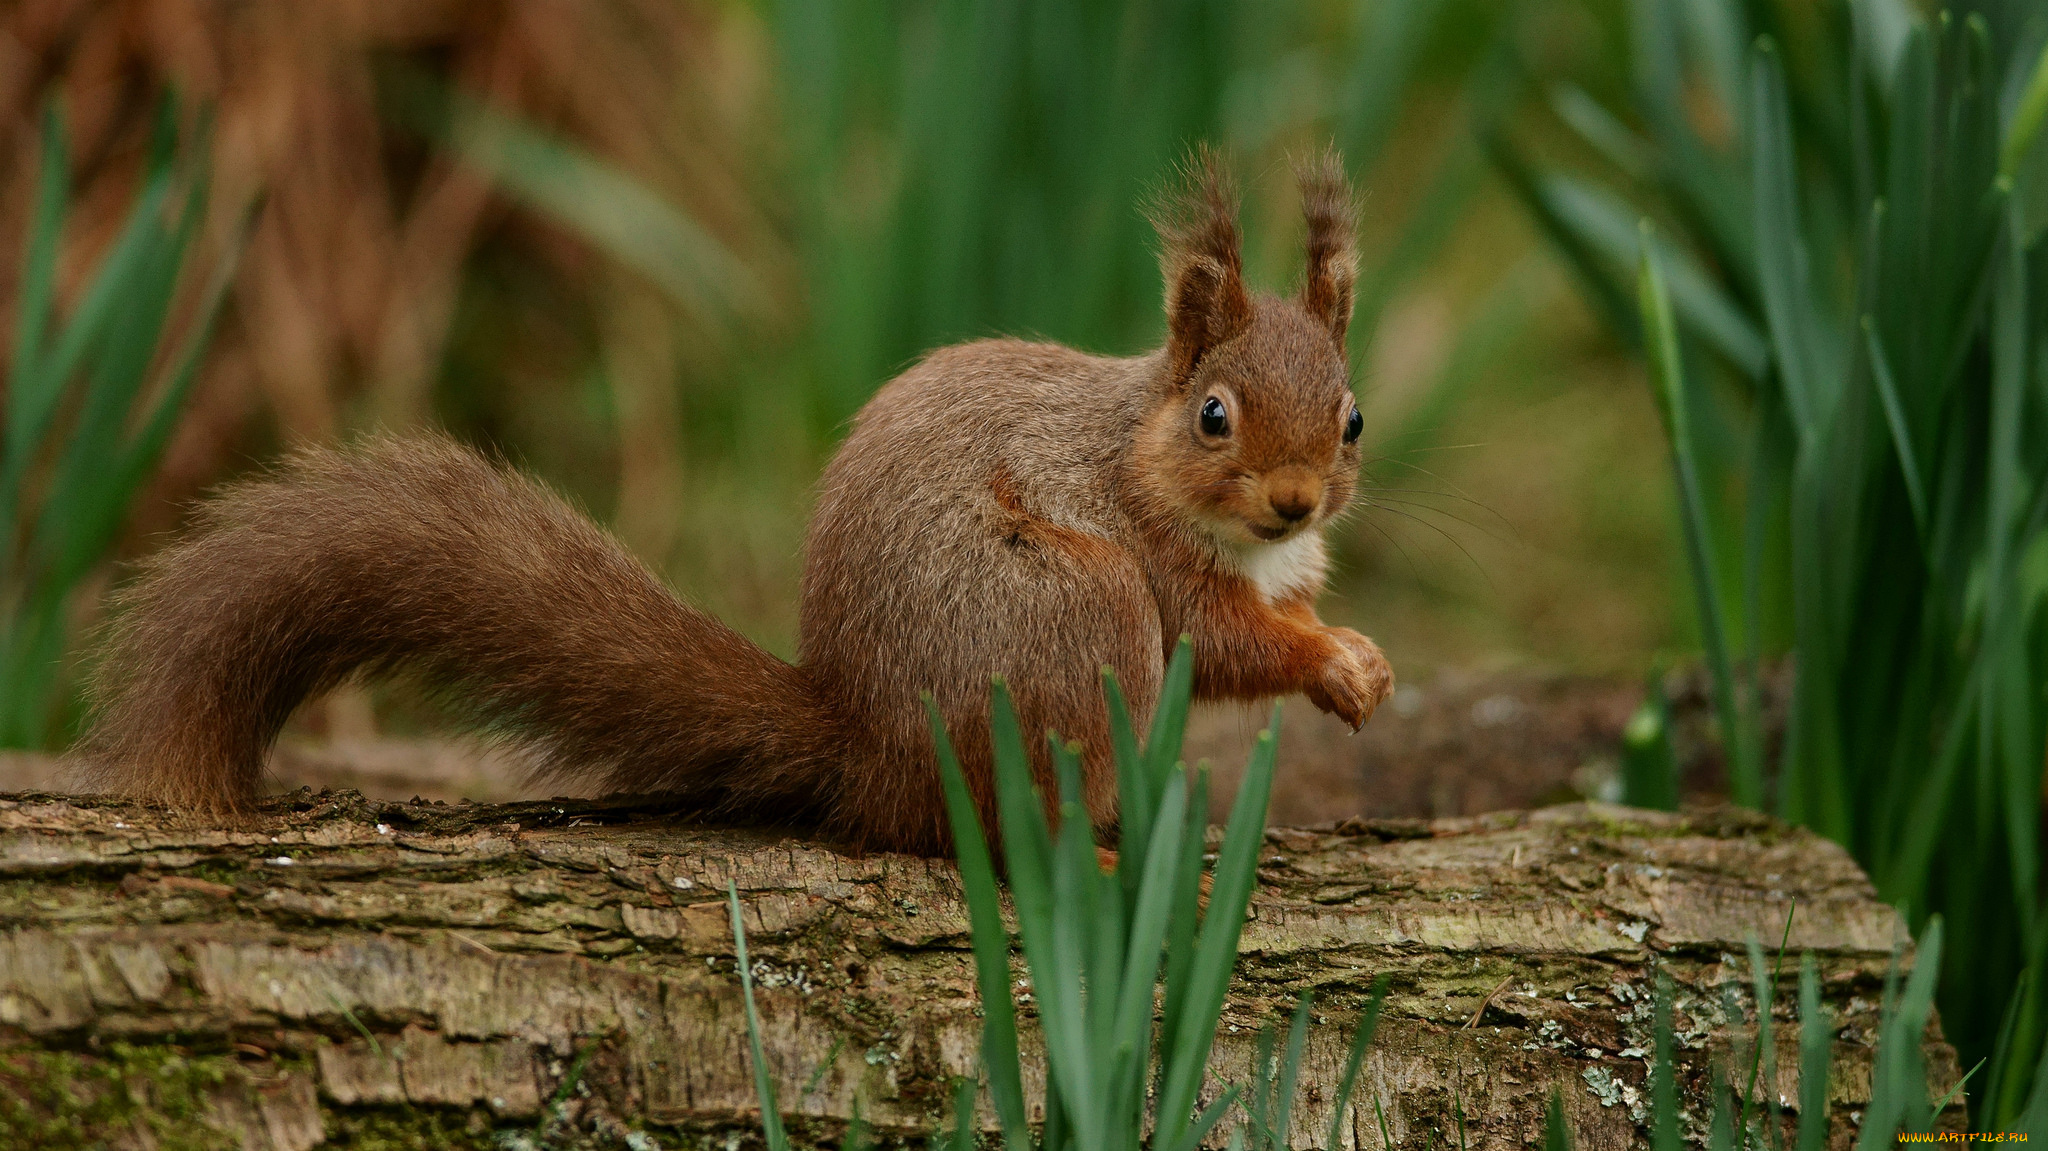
[1286, 568]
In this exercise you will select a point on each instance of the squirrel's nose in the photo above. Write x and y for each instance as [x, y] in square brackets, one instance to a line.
[1295, 500]
[1292, 507]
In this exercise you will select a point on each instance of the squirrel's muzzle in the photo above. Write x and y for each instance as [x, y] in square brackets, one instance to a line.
[1294, 493]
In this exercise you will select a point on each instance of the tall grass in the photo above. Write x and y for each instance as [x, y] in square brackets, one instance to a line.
[1099, 947]
[1844, 303]
[1744, 1112]
[1127, 969]
[91, 398]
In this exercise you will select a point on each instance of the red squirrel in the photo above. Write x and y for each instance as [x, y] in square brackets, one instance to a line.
[1002, 508]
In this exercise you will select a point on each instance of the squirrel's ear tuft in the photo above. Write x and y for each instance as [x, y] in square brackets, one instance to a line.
[1206, 301]
[1332, 217]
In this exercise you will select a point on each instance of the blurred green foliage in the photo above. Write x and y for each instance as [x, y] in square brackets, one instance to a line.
[961, 170]
[1848, 333]
[947, 171]
[91, 398]
[1649, 765]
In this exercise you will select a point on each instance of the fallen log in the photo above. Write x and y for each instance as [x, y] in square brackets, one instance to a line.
[334, 971]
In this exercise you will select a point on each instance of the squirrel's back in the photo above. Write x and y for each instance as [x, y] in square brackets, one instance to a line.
[942, 457]
[970, 527]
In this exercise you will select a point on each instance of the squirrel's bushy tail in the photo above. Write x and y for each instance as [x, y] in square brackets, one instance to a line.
[417, 556]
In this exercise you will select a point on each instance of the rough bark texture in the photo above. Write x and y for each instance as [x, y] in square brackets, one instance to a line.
[423, 975]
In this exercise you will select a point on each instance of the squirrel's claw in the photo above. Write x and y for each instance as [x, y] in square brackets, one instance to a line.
[1354, 680]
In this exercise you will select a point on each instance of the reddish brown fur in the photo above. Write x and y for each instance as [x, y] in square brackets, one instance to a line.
[1332, 264]
[1206, 301]
[1003, 508]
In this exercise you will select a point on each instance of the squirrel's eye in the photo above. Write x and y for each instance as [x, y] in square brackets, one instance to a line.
[1214, 422]
[1353, 425]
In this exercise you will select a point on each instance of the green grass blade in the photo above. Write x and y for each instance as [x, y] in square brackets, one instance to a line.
[1556, 1135]
[117, 332]
[2013, 693]
[1137, 792]
[1148, 925]
[1216, 943]
[1391, 40]
[33, 649]
[1614, 140]
[1954, 1094]
[1668, 376]
[1611, 227]
[1059, 1128]
[28, 385]
[1206, 1121]
[1898, 1088]
[140, 456]
[1664, 1134]
[1354, 1060]
[1259, 1110]
[1649, 765]
[999, 1051]
[1033, 867]
[963, 1120]
[1895, 417]
[2027, 1112]
[1184, 918]
[89, 489]
[1721, 1121]
[2026, 120]
[857, 1136]
[1170, 720]
[1602, 287]
[764, 1084]
[1811, 790]
[126, 261]
[1921, 836]
[1816, 1041]
[2015, 1061]
[625, 218]
[1782, 257]
[1763, 1059]
[1909, 1070]
[1290, 1072]
[1087, 947]
[1027, 841]
[1694, 173]
[103, 500]
[37, 293]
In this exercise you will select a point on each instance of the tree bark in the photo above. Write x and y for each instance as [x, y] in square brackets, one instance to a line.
[332, 970]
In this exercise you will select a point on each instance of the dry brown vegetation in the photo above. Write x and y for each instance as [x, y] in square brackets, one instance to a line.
[346, 292]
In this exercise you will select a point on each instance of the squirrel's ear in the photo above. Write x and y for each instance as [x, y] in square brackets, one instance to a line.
[1332, 256]
[1206, 301]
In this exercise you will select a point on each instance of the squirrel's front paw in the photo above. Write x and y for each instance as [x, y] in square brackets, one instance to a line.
[1354, 680]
